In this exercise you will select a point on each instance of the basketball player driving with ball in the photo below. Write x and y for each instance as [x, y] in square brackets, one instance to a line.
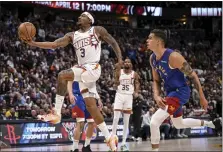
[87, 44]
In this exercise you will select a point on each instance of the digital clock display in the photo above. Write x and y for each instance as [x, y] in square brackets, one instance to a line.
[97, 7]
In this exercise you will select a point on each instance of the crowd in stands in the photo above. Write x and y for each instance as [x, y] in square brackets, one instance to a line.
[28, 75]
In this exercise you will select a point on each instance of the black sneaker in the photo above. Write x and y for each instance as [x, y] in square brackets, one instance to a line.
[86, 149]
[75, 150]
[217, 123]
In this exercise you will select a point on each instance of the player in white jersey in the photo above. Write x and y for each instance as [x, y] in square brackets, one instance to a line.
[127, 82]
[87, 44]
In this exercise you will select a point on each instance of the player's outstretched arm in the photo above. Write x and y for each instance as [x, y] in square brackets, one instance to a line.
[61, 42]
[176, 60]
[104, 35]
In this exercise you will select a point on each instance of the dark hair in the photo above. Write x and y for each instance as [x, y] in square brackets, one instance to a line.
[160, 34]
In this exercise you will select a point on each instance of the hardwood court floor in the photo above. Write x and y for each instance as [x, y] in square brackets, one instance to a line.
[186, 144]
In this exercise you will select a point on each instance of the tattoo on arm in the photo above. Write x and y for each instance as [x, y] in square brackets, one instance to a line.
[186, 69]
[64, 41]
[103, 33]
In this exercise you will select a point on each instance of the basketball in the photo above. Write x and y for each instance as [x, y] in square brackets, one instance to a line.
[26, 31]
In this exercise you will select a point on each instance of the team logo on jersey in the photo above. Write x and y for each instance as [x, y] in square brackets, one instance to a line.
[126, 81]
[94, 41]
[161, 69]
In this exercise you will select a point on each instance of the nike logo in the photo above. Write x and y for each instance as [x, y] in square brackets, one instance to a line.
[163, 61]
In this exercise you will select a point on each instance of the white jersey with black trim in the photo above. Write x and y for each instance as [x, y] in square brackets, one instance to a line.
[87, 46]
[126, 85]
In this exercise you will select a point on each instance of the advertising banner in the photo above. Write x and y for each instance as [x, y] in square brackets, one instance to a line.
[38, 132]
[45, 133]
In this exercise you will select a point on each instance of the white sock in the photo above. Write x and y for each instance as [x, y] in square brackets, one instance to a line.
[59, 103]
[155, 149]
[126, 126]
[104, 129]
[209, 124]
[115, 122]
[87, 142]
[75, 144]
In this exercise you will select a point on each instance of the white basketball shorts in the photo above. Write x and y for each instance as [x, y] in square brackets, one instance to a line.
[123, 101]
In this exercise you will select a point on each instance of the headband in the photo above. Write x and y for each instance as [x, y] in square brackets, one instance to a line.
[89, 16]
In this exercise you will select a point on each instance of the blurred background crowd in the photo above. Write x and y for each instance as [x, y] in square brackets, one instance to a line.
[28, 75]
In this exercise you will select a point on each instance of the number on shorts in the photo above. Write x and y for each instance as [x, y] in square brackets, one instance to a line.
[125, 87]
[82, 52]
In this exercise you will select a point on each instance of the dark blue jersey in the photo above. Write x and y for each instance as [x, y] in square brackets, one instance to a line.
[173, 78]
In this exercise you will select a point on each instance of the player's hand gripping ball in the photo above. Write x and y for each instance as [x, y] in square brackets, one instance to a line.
[26, 31]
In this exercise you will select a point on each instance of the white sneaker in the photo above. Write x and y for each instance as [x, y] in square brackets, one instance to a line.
[179, 136]
[183, 135]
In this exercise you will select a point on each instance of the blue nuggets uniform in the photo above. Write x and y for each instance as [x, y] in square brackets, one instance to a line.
[175, 84]
[79, 111]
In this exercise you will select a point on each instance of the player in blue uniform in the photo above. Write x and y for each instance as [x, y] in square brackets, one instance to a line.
[171, 67]
[81, 113]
